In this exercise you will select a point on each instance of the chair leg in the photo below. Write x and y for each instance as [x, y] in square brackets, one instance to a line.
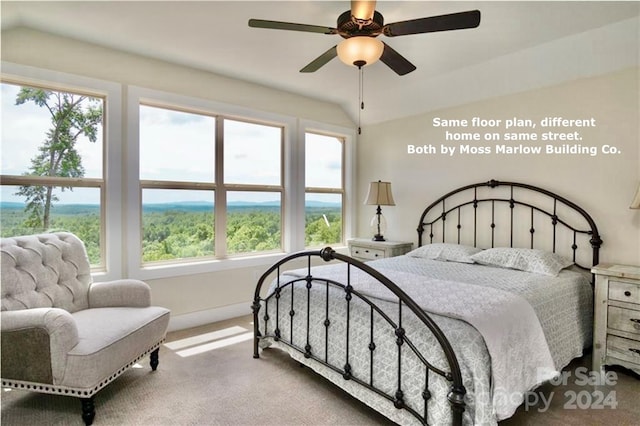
[88, 410]
[153, 358]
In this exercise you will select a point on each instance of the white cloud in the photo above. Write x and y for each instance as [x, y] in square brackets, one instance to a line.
[174, 145]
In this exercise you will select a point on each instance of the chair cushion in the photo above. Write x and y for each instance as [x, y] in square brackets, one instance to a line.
[44, 271]
[109, 340]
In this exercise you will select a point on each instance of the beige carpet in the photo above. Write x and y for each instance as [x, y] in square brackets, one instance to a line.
[226, 386]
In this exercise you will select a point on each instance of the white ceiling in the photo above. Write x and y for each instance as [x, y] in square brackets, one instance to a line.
[518, 45]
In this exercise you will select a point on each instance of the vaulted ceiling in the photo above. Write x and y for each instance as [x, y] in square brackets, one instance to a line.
[518, 45]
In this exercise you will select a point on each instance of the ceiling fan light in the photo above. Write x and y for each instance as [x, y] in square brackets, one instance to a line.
[361, 50]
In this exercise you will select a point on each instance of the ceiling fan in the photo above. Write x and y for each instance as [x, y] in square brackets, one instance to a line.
[360, 26]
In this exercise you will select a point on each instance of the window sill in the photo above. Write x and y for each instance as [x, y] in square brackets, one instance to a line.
[175, 270]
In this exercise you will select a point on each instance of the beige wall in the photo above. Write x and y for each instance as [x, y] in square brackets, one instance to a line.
[602, 185]
[29, 47]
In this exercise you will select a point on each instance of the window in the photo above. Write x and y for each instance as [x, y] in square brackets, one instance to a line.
[52, 164]
[324, 192]
[177, 170]
[253, 183]
[211, 185]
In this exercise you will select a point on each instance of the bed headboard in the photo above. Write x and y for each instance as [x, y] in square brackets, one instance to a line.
[512, 214]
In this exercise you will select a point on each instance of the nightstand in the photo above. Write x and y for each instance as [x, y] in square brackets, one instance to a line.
[363, 249]
[616, 334]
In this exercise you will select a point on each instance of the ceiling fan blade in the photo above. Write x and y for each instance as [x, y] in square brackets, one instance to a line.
[453, 21]
[321, 60]
[396, 61]
[277, 25]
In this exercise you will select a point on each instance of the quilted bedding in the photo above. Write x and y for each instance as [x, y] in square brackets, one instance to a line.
[562, 305]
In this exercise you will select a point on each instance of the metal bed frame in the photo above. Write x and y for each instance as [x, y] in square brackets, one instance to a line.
[588, 228]
[437, 227]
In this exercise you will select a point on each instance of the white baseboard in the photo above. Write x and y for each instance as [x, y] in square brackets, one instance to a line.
[195, 319]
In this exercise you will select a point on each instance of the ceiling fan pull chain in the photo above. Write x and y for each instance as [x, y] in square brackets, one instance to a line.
[360, 96]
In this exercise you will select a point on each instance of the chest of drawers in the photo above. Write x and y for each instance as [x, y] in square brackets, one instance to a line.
[616, 334]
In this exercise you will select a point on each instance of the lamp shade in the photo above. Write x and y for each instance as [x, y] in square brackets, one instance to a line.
[635, 204]
[360, 50]
[380, 194]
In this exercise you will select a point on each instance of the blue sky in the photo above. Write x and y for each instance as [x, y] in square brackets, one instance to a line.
[173, 146]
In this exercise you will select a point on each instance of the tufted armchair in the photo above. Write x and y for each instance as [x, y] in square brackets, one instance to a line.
[63, 334]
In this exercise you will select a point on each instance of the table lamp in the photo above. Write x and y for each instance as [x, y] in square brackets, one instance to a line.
[379, 195]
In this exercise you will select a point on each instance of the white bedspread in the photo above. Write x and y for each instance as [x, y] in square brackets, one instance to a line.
[483, 312]
[520, 356]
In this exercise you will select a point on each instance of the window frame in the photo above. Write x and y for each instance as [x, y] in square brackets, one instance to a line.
[143, 184]
[349, 204]
[111, 266]
[218, 185]
[292, 164]
[140, 95]
[329, 190]
[238, 187]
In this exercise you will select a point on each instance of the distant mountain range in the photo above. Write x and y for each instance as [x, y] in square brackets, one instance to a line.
[181, 205]
[11, 205]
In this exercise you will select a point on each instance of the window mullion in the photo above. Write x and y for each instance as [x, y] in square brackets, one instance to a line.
[220, 209]
[325, 190]
[51, 181]
[177, 185]
[253, 188]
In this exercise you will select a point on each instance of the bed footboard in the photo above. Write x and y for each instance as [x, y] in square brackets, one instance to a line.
[285, 315]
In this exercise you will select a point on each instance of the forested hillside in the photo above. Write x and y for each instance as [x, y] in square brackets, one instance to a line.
[185, 230]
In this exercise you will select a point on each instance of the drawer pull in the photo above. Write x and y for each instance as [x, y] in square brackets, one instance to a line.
[627, 293]
[636, 323]
[635, 350]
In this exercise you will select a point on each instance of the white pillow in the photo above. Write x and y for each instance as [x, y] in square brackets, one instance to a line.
[445, 252]
[529, 260]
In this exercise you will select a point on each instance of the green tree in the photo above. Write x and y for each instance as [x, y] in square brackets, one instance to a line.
[72, 116]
